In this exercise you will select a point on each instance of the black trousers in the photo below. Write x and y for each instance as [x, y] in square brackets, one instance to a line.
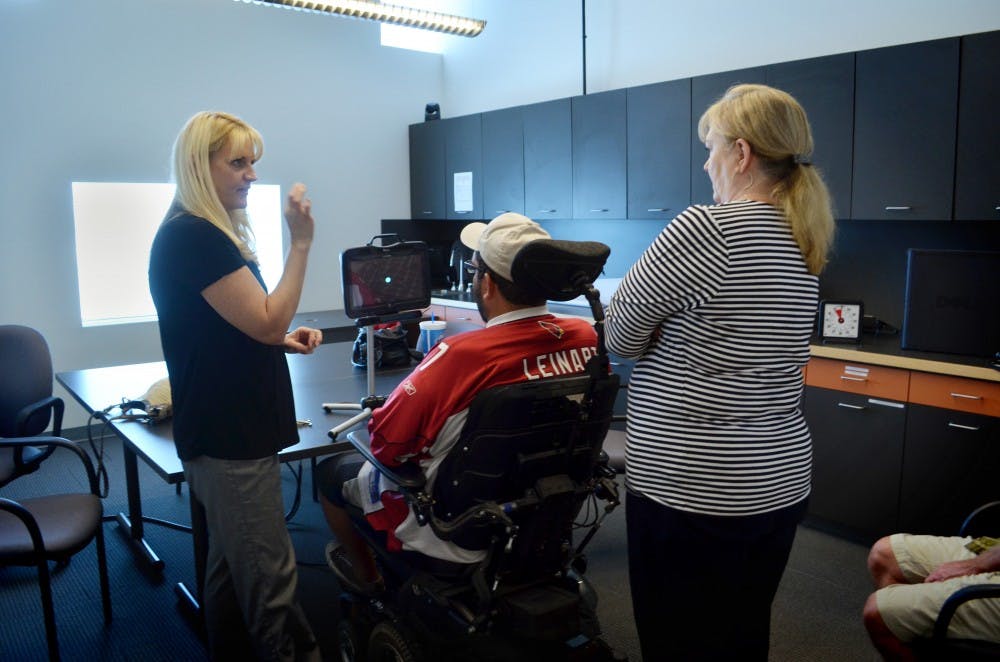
[702, 585]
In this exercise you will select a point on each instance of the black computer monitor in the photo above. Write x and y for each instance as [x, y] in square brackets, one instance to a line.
[952, 302]
[385, 280]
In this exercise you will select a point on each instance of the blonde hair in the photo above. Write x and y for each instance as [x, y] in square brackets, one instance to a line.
[776, 127]
[204, 135]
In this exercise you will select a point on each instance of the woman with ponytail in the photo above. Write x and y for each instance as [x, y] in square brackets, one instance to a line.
[718, 313]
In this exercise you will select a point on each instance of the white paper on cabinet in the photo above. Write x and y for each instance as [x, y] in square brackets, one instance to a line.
[463, 191]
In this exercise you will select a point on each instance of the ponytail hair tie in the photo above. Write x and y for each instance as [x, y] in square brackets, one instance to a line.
[801, 159]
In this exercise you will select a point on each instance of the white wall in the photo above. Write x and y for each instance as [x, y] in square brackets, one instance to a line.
[97, 91]
[532, 51]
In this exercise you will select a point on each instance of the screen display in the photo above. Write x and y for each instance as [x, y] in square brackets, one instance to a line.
[386, 280]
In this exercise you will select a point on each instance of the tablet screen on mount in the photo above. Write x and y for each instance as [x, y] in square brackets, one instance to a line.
[383, 280]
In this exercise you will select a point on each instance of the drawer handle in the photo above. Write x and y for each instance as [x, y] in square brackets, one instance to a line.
[971, 428]
[899, 208]
[602, 211]
[853, 379]
[501, 211]
[966, 397]
[547, 211]
[463, 212]
[427, 212]
[847, 406]
[668, 209]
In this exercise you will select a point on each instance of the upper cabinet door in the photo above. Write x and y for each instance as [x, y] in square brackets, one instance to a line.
[706, 90]
[825, 88]
[463, 158]
[427, 190]
[503, 162]
[977, 168]
[548, 160]
[906, 104]
[659, 149]
[599, 155]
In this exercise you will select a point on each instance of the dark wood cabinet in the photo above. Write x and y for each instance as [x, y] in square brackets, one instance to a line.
[906, 104]
[548, 160]
[599, 155]
[884, 127]
[977, 163]
[427, 188]
[825, 88]
[950, 467]
[463, 159]
[857, 454]
[658, 127]
[503, 162]
[706, 90]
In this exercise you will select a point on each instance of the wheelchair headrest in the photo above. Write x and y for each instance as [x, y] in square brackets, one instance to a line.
[560, 269]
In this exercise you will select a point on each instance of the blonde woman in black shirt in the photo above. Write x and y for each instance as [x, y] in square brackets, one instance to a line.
[224, 340]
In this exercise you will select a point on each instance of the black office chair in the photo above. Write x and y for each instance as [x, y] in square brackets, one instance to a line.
[26, 401]
[526, 464]
[53, 527]
[984, 521]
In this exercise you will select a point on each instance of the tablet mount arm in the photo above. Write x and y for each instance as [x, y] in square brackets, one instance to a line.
[382, 283]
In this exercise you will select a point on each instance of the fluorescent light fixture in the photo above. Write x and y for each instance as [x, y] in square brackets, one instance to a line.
[115, 224]
[386, 13]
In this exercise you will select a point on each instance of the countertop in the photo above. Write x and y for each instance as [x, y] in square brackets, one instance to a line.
[577, 306]
[885, 351]
[876, 350]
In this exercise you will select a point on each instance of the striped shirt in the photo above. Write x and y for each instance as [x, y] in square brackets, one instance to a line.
[714, 424]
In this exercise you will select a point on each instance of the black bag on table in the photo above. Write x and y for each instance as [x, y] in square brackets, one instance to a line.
[391, 350]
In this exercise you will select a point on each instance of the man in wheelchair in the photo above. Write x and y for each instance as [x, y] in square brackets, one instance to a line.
[488, 450]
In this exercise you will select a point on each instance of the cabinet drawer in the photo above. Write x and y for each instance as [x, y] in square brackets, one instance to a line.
[871, 380]
[959, 393]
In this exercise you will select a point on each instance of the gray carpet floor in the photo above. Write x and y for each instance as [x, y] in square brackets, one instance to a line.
[816, 615]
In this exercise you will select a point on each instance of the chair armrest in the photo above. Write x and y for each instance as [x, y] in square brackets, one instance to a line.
[958, 598]
[57, 442]
[974, 523]
[408, 476]
[57, 405]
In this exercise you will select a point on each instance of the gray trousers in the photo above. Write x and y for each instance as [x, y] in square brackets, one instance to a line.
[249, 598]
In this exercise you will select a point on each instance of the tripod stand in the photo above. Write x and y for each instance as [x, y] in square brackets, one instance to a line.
[371, 401]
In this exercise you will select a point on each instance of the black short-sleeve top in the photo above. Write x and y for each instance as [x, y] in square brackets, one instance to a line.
[232, 395]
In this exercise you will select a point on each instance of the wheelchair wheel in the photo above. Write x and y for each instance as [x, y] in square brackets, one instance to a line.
[350, 642]
[387, 644]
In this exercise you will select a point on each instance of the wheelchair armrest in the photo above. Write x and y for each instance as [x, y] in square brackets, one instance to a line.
[408, 476]
[958, 598]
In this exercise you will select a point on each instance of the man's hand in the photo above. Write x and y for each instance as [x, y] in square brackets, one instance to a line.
[955, 569]
[303, 340]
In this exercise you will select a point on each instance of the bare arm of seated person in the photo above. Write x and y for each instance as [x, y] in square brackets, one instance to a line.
[988, 561]
[240, 300]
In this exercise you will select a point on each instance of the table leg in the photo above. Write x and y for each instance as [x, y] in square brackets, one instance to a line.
[132, 523]
[190, 603]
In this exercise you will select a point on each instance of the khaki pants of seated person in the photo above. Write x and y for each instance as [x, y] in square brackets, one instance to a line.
[909, 610]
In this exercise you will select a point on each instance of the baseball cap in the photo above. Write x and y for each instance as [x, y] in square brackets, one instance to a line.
[499, 240]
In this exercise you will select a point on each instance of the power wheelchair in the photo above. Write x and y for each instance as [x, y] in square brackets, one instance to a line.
[527, 476]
